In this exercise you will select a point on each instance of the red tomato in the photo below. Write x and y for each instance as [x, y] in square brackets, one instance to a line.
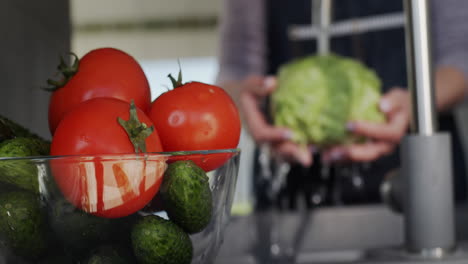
[104, 72]
[106, 184]
[197, 116]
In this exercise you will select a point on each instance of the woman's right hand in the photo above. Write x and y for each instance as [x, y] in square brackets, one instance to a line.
[253, 90]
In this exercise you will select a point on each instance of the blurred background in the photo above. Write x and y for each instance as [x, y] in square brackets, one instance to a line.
[156, 33]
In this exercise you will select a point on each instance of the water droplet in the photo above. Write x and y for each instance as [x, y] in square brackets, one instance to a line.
[176, 118]
[275, 249]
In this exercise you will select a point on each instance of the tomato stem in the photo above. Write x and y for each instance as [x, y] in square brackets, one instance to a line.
[68, 71]
[136, 130]
[177, 83]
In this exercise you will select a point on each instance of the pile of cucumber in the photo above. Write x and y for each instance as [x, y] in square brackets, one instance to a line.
[34, 229]
[23, 220]
[17, 141]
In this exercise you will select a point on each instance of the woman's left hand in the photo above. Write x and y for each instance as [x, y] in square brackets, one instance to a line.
[382, 138]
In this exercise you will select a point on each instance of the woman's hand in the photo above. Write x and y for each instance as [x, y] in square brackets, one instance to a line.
[382, 138]
[253, 90]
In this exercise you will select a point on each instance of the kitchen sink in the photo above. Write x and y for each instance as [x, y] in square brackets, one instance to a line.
[347, 234]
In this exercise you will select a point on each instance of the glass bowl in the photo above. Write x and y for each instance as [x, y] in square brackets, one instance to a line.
[81, 209]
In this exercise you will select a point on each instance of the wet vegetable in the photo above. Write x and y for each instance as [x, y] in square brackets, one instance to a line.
[318, 95]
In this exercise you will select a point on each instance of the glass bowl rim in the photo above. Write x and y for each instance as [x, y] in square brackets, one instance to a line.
[104, 156]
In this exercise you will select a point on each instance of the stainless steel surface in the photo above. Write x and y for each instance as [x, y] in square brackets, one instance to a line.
[326, 7]
[428, 203]
[426, 155]
[273, 170]
[352, 234]
[401, 256]
[349, 27]
[420, 72]
[392, 191]
[437, 252]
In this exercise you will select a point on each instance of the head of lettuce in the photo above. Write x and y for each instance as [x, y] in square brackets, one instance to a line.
[318, 95]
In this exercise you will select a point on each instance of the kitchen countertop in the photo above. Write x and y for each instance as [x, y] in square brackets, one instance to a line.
[323, 235]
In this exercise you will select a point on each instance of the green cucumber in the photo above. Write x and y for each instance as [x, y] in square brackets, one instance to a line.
[187, 196]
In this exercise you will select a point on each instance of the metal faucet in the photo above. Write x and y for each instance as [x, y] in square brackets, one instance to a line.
[426, 172]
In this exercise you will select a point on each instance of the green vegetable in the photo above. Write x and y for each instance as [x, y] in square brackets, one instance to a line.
[365, 91]
[23, 226]
[187, 196]
[5, 131]
[24, 147]
[57, 258]
[78, 230]
[10, 129]
[318, 95]
[111, 254]
[21, 173]
[156, 240]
